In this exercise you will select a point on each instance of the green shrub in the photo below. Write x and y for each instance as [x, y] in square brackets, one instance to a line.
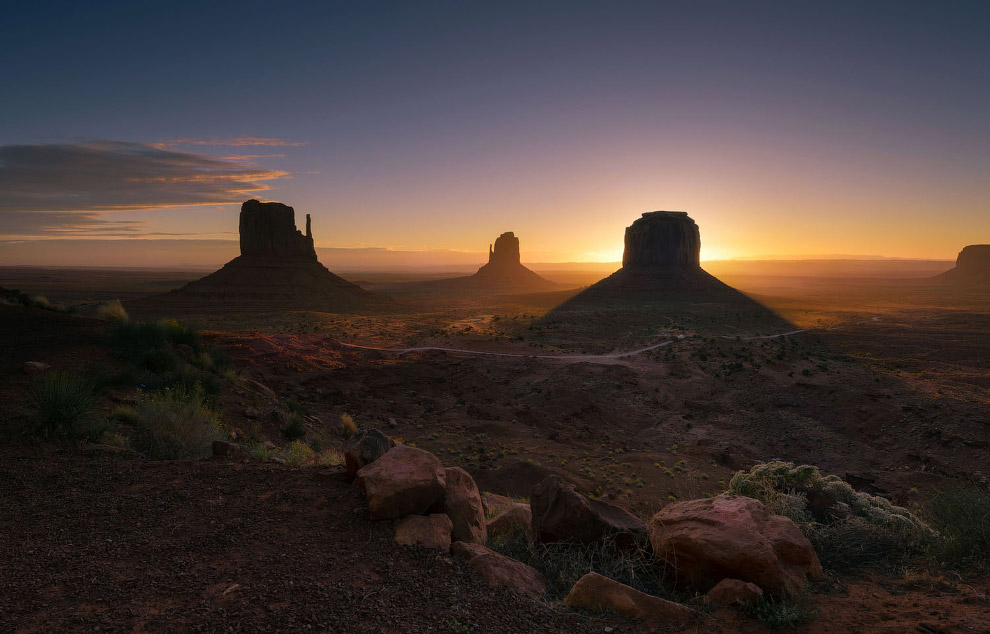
[112, 311]
[40, 301]
[62, 406]
[298, 453]
[961, 515]
[848, 528]
[293, 428]
[175, 424]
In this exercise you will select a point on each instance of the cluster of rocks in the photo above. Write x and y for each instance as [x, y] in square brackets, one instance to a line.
[730, 547]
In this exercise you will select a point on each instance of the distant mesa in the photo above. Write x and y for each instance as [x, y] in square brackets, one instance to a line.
[277, 269]
[504, 274]
[661, 260]
[661, 284]
[972, 267]
[505, 271]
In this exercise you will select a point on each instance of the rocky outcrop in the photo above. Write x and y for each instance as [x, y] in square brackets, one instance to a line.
[428, 531]
[276, 270]
[561, 513]
[733, 591]
[365, 447]
[972, 267]
[498, 570]
[663, 239]
[404, 481]
[708, 540]
[268, 230]
[597, 593]
[461, 501]
[505, 252]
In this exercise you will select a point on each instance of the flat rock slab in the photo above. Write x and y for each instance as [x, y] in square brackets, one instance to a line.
[498, 570]
[598, 593]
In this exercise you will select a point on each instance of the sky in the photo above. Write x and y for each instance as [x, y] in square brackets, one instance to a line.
[416, 132]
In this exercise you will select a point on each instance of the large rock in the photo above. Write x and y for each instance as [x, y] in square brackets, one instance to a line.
[498, 570]
[269, 230]
[662, 239]
[428, 531]
[404, 481]
[972, 267]
[733, 591]
[516, 517]
[597, 593]
[365, 447]
[727, 536]
[561, 513]
[461, 501]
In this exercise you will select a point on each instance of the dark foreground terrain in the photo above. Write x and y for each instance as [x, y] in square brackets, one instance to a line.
[888, 390]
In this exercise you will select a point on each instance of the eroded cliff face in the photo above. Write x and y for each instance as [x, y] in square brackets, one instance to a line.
[269, 230]
[972, 267]
[505, 252]
[668, 239]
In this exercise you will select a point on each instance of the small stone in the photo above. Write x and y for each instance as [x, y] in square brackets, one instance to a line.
[35, 367]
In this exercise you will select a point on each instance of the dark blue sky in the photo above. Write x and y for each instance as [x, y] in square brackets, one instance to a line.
[437, 124]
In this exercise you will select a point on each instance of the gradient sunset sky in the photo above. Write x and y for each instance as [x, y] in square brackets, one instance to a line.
[416, 132]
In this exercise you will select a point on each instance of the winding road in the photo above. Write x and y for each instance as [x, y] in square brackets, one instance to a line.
[588, 357]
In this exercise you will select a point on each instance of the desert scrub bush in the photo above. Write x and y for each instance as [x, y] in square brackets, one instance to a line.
[961, 515]
[40, 301]
[298, 453]
[175, 424]
[847, 528]
[779, 613]
[150, 344]
[563, 563]
[112, 311]
[347, 425]
[62, 405]
[293, 429]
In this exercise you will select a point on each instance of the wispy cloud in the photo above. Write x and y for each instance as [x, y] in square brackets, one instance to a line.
[241, 141]
[115, 176]
[70, 190]
[17, 223]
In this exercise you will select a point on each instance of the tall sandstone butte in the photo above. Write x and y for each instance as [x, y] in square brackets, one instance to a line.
[663, 239]
[504, 273]
[661, 260]
[972, 267]
[269, 230]
[277, 269]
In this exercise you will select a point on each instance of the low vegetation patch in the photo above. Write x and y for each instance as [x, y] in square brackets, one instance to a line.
[848, 528]
[175, 424]
[62, 406]
[961, 515]
[562, 564]
[779, 613]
